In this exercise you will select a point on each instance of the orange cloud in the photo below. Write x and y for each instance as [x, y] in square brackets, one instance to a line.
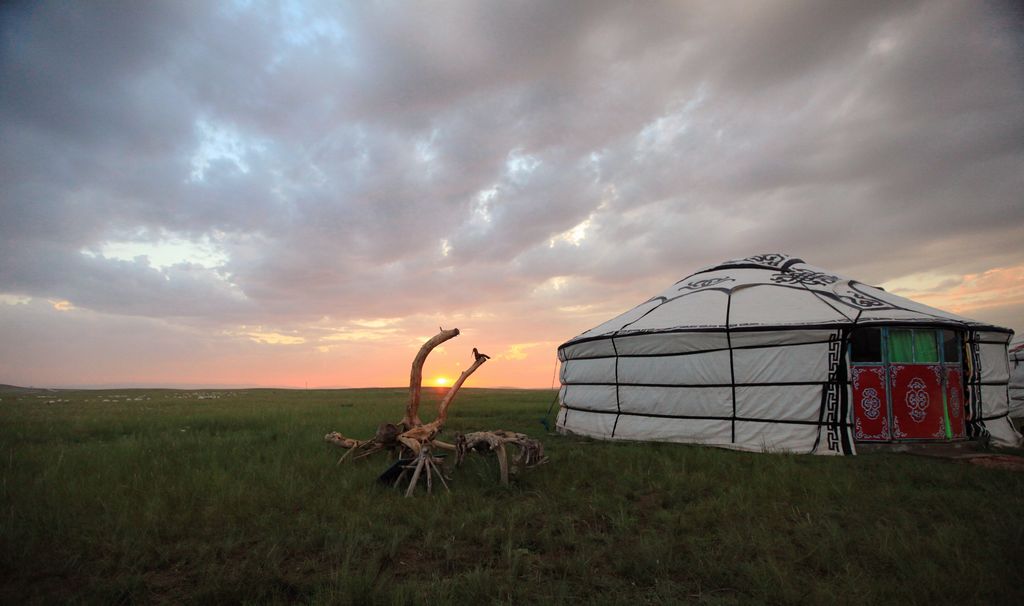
[1002, 286]
[62, 305]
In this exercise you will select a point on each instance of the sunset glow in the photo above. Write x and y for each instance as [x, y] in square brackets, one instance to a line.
[302, 195]
[966, 294]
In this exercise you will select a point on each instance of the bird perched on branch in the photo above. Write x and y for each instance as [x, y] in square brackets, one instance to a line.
[477, 355]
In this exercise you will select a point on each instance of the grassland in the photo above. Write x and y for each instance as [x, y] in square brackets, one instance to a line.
[149, 496]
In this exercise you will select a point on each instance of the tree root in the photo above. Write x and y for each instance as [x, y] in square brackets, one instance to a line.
[531, 452]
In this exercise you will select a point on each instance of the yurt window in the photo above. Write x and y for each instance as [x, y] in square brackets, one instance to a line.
[866, 346]
[913, 346]
[926, 350]
[950, 346]
[901, 346]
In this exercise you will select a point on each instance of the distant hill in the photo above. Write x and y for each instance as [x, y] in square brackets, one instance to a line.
[4, 388]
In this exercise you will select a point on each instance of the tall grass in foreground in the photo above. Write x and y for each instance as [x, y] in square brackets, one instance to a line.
[159, 496]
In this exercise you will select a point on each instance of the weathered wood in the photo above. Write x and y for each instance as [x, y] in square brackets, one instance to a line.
[414, 445]
[412, 418]
[369, 450]
[414, 437]
[415, 475]
[344, 456]
[531, 452]
[387, 433]
[341, 441]
[430, 475]
[442, 408]
[440, 475]
[502, 463]
[348, 444]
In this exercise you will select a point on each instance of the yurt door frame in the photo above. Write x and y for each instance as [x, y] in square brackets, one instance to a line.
[907, 384]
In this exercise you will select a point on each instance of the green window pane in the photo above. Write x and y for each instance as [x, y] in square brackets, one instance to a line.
[926, 349]
[901, 346]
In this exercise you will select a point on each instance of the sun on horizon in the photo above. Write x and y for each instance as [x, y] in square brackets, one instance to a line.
[442, 381]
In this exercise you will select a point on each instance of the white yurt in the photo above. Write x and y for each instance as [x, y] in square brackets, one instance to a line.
[768, 353]
[1016, 355]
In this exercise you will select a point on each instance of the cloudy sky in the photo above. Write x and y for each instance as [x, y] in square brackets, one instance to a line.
[250, 193]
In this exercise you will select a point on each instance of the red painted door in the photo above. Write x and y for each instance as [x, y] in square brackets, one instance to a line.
[955, 400]
[870, 404]
[917, 408]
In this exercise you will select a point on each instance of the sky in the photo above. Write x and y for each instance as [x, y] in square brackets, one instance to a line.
[300, 193]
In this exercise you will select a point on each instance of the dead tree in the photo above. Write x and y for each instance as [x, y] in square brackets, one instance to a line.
[415, 441]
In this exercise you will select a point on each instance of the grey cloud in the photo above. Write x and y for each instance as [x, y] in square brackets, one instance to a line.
[869, 137]
[771, 44]
[116, 286]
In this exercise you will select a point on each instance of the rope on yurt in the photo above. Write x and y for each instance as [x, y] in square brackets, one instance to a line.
[732, 366]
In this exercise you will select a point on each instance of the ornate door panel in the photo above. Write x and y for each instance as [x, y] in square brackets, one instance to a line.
[870, 404]
[955, 400]
[917, 409]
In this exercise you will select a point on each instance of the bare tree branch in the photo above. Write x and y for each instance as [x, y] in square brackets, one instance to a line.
[442, 408]
[412, 409]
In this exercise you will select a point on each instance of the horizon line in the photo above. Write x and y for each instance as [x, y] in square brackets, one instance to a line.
[198, 387]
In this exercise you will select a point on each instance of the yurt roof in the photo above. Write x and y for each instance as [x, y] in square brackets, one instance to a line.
[771, 291]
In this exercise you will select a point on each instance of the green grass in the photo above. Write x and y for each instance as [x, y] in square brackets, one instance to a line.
[159, 496]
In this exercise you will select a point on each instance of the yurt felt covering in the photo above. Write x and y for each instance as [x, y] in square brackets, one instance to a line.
[754, 354]
[1016, 355]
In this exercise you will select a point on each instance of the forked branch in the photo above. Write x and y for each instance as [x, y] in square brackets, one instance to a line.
[412, 409]
[442, 408]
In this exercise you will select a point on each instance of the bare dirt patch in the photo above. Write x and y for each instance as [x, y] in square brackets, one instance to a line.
[993, 461]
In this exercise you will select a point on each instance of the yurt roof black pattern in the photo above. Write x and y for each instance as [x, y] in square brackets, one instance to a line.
[771, 291]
